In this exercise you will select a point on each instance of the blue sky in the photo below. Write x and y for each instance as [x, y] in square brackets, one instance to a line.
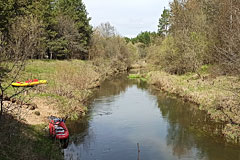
[129, 17]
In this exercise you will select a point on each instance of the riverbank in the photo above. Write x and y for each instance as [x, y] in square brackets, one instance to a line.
[216, 95]
[70, 85]
[164, 126]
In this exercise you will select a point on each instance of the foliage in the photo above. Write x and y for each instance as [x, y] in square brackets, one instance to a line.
[73, 20]
[66, 25]
[141, 42]
[134, 52]
[202, 32]
[106, 44]
[143, 37]
[23, 43]
[163, 26]
[10, 10]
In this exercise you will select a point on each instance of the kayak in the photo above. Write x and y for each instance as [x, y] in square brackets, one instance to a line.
[58, 130]
[29, 83]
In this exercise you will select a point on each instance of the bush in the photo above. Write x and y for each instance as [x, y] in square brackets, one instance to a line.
[106, 44]
[180, 54]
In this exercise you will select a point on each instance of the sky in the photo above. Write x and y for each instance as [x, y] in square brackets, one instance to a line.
[129, 17]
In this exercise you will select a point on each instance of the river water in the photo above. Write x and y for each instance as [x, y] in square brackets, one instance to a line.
[129, 121]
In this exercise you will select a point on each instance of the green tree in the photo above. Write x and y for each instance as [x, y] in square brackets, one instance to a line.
[163, 26]
[143, 37]
[9, 10]
[76, 10]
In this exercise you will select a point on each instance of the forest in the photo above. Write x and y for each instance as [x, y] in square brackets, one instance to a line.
[45, 29]
[194, 33]
[190, 34]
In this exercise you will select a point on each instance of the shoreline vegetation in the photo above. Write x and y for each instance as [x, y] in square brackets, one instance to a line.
[70, 85]
[195, 55]
[215, 95]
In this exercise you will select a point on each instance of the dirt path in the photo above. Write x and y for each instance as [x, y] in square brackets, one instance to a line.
[35, 113]
[42, 111]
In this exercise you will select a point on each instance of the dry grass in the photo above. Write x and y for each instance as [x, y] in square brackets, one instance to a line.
[70, 83]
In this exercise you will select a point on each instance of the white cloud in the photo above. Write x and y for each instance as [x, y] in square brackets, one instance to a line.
[129, 17]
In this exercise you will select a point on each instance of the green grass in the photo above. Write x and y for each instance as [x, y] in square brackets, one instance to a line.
[134, 76]
[43, 145]
[27, 142]
[138, 76]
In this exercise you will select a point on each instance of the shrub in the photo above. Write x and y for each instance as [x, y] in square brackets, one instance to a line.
[180, 54]
[106, 44]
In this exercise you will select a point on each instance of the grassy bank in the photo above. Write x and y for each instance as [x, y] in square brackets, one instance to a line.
[70, 85]
[216, 95]
[26, 142]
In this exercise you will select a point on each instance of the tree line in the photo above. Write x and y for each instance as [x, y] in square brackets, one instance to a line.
[193, 33]
[54, 29]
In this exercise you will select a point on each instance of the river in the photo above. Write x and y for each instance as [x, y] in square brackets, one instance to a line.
[129, 121]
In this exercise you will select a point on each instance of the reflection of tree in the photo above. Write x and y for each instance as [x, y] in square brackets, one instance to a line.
[82, 134]
[179, 117]
[118, 85]
[141, 84]
[190, 128]
[180, 140]
[114, 86]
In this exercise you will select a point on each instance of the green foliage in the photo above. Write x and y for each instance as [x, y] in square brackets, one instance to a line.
[76, 10]
[9, 10]
[59, 48]
[187, 39]
[66, 25]
[143, 37]
[141, 42]
[138, 76]
[163, 26]
[127, 39]
[134, 76]
[68, 30]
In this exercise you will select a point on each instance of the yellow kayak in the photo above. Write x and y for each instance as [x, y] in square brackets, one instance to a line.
[29, 83]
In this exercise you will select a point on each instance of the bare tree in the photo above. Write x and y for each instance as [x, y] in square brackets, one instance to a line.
[23, 43]
[106, 30]
[227, 49]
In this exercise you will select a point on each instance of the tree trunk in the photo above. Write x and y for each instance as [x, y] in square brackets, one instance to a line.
[1, 101]
[51, 55]
[231, 28]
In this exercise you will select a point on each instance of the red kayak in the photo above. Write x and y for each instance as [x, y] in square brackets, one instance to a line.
[58, 130]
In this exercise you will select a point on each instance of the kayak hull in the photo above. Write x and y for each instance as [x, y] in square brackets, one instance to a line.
[29, 84]
[58, 130]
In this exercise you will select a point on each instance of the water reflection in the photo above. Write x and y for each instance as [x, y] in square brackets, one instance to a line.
[190, 131]
[124, 113]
